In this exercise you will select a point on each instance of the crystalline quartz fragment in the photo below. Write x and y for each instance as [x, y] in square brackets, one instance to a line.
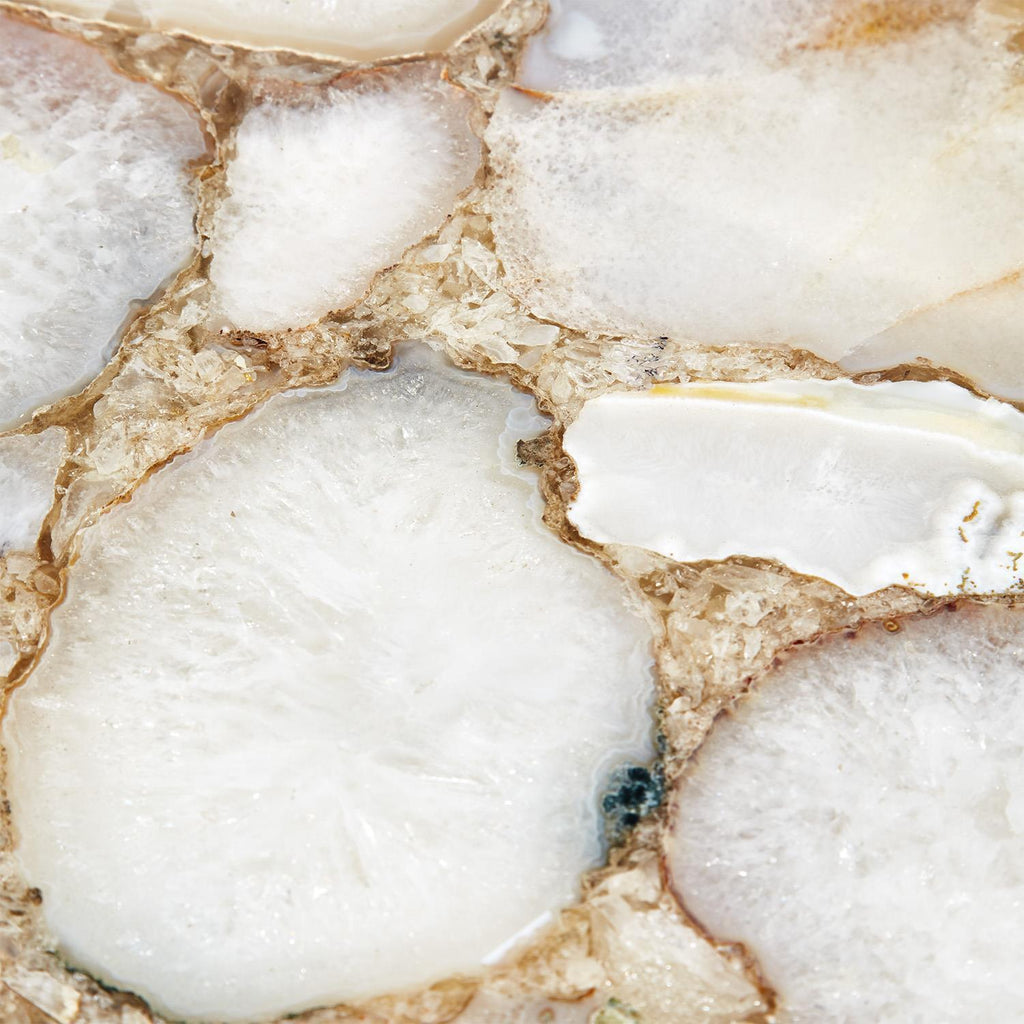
[360, 29]
[327, 710]
[95, 208]
[324, 193]
[774, 174]
[28, 467]
[858, 822]
[909, 483]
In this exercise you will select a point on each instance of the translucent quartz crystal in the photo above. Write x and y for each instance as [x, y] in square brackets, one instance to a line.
[359, 29]
[95, 208]
[327, 711]
[910, 483]
[28, 468]
[323, 194]
[858, 823]
[773, 174]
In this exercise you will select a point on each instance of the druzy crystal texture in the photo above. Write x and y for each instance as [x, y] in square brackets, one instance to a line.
[511, 511]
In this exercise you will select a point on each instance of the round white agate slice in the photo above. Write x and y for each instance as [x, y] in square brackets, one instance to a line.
[327, 711]
[858, 822]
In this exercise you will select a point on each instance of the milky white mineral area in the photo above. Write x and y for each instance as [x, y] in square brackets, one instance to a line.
[857, 822]
[325, 192]
[760, 174]
[28, 470]
[909, 483]
[95, 209]
[328, 710]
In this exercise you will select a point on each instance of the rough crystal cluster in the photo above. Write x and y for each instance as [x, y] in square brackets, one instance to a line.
[511, 511]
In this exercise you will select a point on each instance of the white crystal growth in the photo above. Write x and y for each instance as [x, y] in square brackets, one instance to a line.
[95, 209]
[718, 177]
[327, 710]
[917, 484]
[323, 195]
[858, 823]
[604, 44]
[360, 29]
[28, 470]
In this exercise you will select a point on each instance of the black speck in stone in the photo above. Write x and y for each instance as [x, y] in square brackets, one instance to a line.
[633, 792]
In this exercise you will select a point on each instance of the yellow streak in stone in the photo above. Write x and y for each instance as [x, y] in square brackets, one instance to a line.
[936, 408]
[733, 393]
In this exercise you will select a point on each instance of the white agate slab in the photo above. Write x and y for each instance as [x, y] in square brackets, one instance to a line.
[857, 821]
[327, 711]
[357, 29]
[28, 470]
[915, 484]
[325, 192]
[95, 209]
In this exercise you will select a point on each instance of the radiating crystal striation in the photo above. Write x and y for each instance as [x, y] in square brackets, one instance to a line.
[324, 193]
[327, 711]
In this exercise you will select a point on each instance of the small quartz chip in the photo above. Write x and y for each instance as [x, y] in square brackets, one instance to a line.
[857, 822]
[328, 711]
[95, 208]
[909, 483]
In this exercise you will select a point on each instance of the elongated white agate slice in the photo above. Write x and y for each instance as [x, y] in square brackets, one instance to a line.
[917, 484]
[858, 822]
[328, 711]
[95, 209]
[774, 174]
[327, 191]
[358, 29]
